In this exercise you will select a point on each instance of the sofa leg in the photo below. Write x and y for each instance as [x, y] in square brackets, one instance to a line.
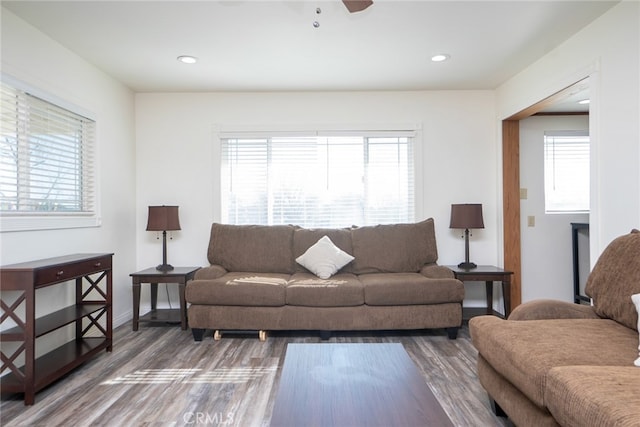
[325, 335]
[497, 409]
[452, 333]
[198, 334]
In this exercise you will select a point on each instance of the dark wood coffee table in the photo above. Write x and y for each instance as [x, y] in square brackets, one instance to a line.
[353, 385]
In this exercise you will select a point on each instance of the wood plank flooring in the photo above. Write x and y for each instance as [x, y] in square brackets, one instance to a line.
[158, 376]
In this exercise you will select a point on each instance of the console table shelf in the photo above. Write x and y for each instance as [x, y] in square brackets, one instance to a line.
[53, 321]
[56, 363]
[91, 315]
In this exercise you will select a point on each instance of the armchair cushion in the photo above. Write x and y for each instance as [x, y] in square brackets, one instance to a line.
[594, 395]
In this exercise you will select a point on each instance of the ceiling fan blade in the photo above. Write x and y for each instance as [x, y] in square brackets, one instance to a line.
[357, 5]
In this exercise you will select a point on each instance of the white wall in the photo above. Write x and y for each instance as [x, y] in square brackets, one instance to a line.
[178, 158]
[174, 160]
[608, 50]
[37, 60]
[548, 243]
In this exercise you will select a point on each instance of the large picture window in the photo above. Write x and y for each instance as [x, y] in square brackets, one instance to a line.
[46, 159]
[318, 181]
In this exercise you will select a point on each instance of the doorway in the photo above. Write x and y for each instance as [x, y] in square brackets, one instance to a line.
[512, 243]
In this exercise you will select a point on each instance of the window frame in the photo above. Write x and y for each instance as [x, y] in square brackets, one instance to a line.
[413, 131]
[48, 220]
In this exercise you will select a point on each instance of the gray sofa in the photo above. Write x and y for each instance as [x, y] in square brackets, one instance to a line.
[255, 284]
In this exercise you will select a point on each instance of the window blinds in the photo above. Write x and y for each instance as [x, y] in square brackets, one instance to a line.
[317, 181]
[46, 163]
[566, 171]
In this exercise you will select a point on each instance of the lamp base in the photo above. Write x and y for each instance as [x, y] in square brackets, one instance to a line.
[164, 267]
[467, 265]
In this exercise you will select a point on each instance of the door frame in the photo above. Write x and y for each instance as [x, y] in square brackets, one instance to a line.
[512, 241]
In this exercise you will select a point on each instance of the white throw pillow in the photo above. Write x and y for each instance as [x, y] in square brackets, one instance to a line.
[636, 301]
[324, 259]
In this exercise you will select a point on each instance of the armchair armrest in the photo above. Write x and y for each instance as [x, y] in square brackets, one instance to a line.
[552, 309]
[211, 272]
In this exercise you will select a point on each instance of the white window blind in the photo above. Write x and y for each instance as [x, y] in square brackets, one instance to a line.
[318, 181]
[566, 171]
[46, 163]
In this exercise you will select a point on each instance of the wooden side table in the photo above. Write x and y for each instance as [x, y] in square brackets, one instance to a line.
[487, 274]
[179, 275]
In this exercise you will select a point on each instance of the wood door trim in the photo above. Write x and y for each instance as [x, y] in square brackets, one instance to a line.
[511, 206]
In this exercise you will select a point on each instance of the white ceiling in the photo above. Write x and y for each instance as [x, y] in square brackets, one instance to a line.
[245, 45]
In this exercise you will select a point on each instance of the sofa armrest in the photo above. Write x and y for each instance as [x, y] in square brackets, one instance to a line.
[434, 271]
[552, 309]
[211, 272]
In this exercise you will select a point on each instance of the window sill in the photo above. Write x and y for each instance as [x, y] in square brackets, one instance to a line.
[33, 223]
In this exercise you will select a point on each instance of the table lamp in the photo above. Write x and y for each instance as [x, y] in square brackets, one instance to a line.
[466, 216]
[163, 218]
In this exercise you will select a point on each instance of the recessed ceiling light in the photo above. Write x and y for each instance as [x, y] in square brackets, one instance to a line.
[440, 57]
[187, 59]
[584, 101]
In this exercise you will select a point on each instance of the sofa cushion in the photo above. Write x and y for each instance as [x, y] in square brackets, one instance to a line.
[304, 238]
[594, 395]
[341, 290]
[241, 289]
[409, 289]
[256, 248]
[324, 259]
[394, 248]
[618, 264]
[523, 351]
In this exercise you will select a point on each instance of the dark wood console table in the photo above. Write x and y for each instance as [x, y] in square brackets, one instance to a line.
[487, 274]
[91, 314]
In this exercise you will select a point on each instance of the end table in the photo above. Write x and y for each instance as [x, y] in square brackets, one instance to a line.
[487, 274]
[179, 275]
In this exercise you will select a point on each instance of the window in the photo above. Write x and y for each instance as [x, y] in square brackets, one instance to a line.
[566, 171]
[46, 162]
[318, 181]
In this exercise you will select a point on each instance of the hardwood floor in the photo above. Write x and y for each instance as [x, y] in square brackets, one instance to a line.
[158, 376]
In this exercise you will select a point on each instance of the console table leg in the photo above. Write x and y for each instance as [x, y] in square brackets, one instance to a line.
[136, 305]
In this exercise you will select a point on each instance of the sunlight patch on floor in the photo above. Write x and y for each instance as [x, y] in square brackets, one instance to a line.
[192, 376]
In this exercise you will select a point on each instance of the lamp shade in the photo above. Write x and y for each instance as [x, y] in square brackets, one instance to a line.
[467, 215]
[163, 218]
